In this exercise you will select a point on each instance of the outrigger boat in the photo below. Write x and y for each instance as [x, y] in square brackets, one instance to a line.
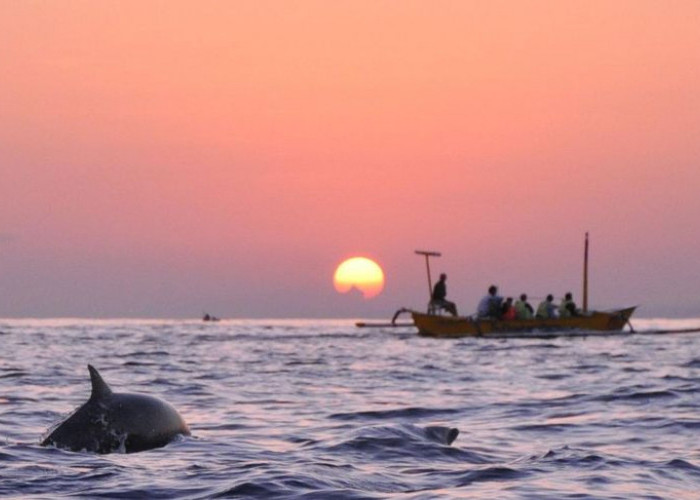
[434, 324]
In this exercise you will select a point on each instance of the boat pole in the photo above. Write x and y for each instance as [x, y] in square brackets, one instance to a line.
[585, 276]
[428, 254]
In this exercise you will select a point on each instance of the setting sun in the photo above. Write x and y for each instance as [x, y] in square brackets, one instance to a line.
[361, 273]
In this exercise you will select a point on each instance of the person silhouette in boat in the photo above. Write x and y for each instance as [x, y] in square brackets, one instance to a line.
[523, 309]
[490, 304]
[508, 310]
[567, 308]
[546, 309]
[438, 298]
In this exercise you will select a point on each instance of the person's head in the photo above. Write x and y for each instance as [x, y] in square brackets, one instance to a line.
[523, 297]
[509, 300]
[568, 296]
[493, 289]
[550, 298]
[443, 277]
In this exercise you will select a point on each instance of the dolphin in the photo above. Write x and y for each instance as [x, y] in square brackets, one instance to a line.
[444, 435]
[111, 421]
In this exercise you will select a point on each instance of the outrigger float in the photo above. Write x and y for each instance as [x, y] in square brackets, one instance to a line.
[434, 324]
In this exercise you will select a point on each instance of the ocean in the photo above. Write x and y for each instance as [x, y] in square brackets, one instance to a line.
[319, 409]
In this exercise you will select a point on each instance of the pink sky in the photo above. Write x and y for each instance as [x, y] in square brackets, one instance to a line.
[160, 159]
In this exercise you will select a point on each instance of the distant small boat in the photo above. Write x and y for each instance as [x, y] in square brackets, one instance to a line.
[209, 317]
[433, 325]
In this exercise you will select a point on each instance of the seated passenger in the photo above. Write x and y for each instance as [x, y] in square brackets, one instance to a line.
[567, 308]
[439, 293]
[490, 305]
[546, 309]
[523, 310]
[508, 311]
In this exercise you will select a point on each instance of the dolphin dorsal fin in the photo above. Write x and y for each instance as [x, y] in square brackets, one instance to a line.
[100, 389]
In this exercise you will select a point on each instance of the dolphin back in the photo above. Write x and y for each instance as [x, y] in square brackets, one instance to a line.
[110, 422]
[145, 421]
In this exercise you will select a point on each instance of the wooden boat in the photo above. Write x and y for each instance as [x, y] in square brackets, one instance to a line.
[435, 325]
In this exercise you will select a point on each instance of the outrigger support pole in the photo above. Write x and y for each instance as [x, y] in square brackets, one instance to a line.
[428, 254]
[585, 276]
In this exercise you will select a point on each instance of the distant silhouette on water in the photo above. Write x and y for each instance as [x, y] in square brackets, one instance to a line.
[438, 298]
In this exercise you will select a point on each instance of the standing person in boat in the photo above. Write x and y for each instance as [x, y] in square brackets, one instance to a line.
[490, 304]
[567, 308]
[439, 296]
[546, 309]
[523, 309]
[508, 310]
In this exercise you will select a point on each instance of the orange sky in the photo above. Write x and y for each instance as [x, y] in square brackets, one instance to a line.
[164, 158]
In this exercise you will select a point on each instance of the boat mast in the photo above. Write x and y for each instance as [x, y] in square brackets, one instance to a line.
[585, 276]
[428, 254]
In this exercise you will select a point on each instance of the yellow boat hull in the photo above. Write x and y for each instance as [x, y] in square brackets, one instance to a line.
[432, 325]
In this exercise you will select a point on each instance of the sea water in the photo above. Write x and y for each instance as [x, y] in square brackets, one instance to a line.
[319, 409]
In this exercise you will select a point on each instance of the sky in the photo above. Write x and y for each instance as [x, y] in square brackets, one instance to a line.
[166, 158]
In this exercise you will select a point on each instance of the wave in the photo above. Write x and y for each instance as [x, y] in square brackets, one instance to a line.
[641, 395]
[408, 413]
[693, 363]
[492, 473]
[404, 443]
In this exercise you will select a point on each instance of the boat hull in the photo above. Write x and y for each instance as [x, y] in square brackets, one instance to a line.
[432, 325]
